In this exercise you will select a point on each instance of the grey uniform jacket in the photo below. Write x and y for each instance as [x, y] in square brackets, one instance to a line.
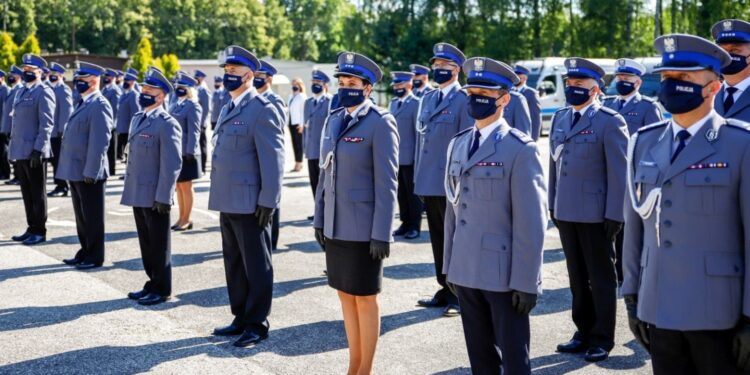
[248, 157]
[638, 112]
[497, 214]
[63, 108]
[113, 92]
[421, 93]
[204, 99]
[4, 93]
[740, 110]
[154, 159]
[690, 272]
[84, 145]
[315, 116]
[127, 109]
[516, 113]
[406, 118]
[218, 99]
[356, 195]
[437, 124]
[188, 115]
[6, 120]
[587, 181]
[33, 115]
[280, 106]
[535, 110]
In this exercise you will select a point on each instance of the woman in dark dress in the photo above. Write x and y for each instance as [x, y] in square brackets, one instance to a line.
[187, 112]
[356, 202]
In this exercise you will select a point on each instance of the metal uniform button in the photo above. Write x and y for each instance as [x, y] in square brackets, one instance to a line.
[463, 205]
[467, 174]
[667, 223]
[465, 189]
[667, 203]
[565, 174]
[667, 243]
[708, 179]
[463, 222]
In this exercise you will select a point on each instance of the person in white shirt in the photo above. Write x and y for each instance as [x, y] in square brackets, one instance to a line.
[296, 119]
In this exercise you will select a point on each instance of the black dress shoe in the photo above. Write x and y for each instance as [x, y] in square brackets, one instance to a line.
[21, 237]
[58, 192]
[432, 302]
[12, 181]
[596, 354]
[72, 261]
[86, 265]
[138, 295]
[34, 239]
[152, 299]
[451, 311]
[230, 330]
[411, 234]
[572, 346]
[249, 338]
[400, 231]
[188, 226]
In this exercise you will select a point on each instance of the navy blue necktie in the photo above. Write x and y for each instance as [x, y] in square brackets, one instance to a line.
[729, 101]
[231, 106]
[344, 124]
[682, 135]
[620, 104]
[576, 118]
[440, 98]
[475, 143]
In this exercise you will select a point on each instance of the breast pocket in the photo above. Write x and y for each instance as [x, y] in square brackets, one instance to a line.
[584, 144]
[236, 136]
[707, 190]
[488, 181]
[446, 123]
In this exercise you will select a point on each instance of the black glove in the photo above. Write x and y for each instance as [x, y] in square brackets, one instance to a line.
[320, 238]
[741, 345]
[189, 157]
[523, 302]
[35, 159]
[89, 180]
[161, 208]
[637, 326]
[264, 215]
[380, 250]
[612, 227]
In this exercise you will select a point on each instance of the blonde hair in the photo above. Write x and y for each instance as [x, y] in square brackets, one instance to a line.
[300, 83]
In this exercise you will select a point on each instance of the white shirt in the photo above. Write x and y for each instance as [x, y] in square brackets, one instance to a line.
[741, 87]
[583, 110]
[486, 131]
[627, 99]
[693, 129]
[356, 110]
[85, 97]
[447, 89]
[297, 108]
[238, 99]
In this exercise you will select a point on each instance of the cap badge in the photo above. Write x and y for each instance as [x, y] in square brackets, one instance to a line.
[727, 25]
[669, 45]
[349, 58]
[479, 65]
[573, 63]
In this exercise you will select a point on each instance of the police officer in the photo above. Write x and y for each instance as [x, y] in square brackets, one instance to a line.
[421, 80]
[262, 82]
[317, 108]
[119, 78]
[356, 202]
[127, 108]
[532, 100]
[154, 162]
[733, 101]
[247, 169]
[33, 116]
[63, 109]
[15, 82]
[494, 230]
[4, 163]
[516, 113]
[204, 99]
[83, 162]
[586, 194]
[112, 92]
[443, 114]
[218, 99]
[686, 221]
[638, 112]
[405, 108]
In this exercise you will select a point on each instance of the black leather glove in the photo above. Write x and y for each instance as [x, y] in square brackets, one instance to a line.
[380, 250]
[161, 208]
[264, 215]
[189, 157]
[320, 238]
[612, 227]
[523, 302]
[88, 180]
[35, 159]
[741, 345]
[637, 326]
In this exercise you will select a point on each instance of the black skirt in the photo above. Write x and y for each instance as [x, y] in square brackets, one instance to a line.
[190, 171]
[351, 269]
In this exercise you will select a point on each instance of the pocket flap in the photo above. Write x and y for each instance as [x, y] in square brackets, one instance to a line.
[724, 264]
[237, 129]
[244, 178]
[708, 177]
[496, 242]
[489, 172]
[454, 169]
[585, 138]
[446, 118]
[361, 195]
[646, 175]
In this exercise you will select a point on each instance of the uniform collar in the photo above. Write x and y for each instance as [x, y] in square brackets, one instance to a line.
[355, 112]
[149, 113]
[627, 99]
[447, 89]
[584, 109]
[486, 131]
[238, 99]
[741, 87]
[693, 129]
[87, 96]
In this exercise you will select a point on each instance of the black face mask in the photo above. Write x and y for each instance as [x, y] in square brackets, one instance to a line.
[12, 80]
[216, 87]
[481, 107]
[738, 63]
[418, 83]
[680, 96]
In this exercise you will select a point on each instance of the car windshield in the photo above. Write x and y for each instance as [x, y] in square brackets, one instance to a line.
[650, 86]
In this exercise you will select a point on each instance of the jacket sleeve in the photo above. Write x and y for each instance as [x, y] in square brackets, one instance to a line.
[466, 121]
[653, 115]
[615, 143]
[449, 224]
[552, 171]
[115, 102]
[632, 242]
[65, 109]
[385, 177]
[269, 142]
[520, 116]
[205, 102]
[529, 221]
[535, 112]
[46, 113]
[100, 130]
[745, 209]
[170, 160]
[193, 119]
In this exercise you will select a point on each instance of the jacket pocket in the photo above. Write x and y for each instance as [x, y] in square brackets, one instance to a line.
[724, 271]
[487, 181]
[495, 257]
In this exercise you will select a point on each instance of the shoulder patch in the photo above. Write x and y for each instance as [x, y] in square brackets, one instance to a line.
[462, 132]
[653, 126]
[263, 99]
[523, 137]
[339, 109]
[561, 109]
[608, 111]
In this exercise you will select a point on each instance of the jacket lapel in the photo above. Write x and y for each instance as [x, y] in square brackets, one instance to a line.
[631, 104]
[661, 152]
[237, 109]
[356, 120]
[445, 103]
[487, 148]
[83, 105]
[698, 149]
[742, 102]
[584, 122]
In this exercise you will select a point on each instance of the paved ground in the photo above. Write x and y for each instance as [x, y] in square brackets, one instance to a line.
[55, 320]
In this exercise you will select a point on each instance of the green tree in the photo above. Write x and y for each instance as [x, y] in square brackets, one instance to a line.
[279, 30]
[7, 52]
[29, 45]
[170, 64]
[143, 57]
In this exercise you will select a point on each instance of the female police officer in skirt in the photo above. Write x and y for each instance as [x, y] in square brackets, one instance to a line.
[187, 112]
[355, 203]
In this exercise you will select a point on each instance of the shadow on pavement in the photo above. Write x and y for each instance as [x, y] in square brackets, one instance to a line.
[409, 271]
[560, 363]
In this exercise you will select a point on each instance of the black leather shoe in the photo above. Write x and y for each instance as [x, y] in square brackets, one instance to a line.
[451, 311]
[72, 261]
[138, 295]
[572, 346]
[249, 338]
[596, 354]
[400, 231]
[34, 239]
[432, 302]
[21, 237]
[411, 234]
[230, 330]
[86, 265]
[152, 299]
[58, 192]
[187, 226]
[310, 218]
[12, 181]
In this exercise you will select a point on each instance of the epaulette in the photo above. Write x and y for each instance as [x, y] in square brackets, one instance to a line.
[561, 109]
[339, 109]
[738, 124]
[608, 111]
[263, 99]
[523, 137]
[462, 132]
[648, 99]
[653, 126]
